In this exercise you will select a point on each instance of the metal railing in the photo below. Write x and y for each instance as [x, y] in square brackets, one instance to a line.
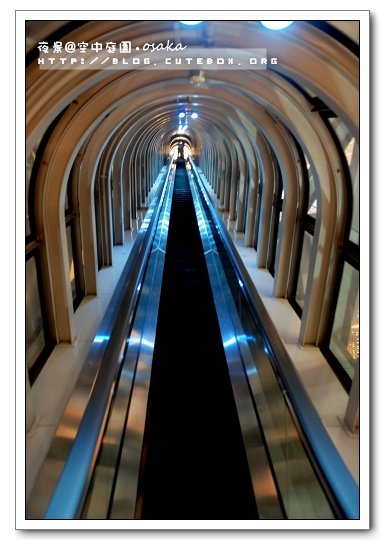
[95, 387]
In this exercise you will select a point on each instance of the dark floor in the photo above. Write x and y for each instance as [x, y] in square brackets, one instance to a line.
[193, 464]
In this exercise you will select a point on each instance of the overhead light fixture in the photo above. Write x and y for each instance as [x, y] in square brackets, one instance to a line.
[276, 25]
[182, 115]
[190, 22]
[198, 79]
[194, 115]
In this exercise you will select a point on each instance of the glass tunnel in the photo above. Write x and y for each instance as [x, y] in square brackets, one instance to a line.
[192, 270]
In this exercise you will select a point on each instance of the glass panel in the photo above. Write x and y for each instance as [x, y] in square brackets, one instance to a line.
[67, 202]
[28, 173]
[344, 341]
[352, 155]
[282, 199]
[35, 340]
[304, 269]
[300, 490]
[351, 150]
[312, 202]
[71, 261]
[99, 237]
[299, 487]
[275, 220]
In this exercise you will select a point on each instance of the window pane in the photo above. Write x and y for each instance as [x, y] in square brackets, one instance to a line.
[282, 199]
[35, 340]
[279, 195]
[351, 150]
[344, 341]
[66, 204]
[304, 269]
[352, 155]
[28, 173]
[71, 260]
[312, 203]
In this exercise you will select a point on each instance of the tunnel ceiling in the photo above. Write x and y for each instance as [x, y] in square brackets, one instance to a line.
[232, 105]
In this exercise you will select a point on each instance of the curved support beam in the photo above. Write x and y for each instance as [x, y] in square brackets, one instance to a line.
[91, 110]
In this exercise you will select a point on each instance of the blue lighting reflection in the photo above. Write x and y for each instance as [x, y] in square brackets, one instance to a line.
[100, 338]
[239, 338]
[133, 340]
[250, 371]
[246, 338]
[229, 342]
[147, 343]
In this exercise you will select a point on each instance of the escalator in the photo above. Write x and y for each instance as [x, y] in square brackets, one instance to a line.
[194, 464]
[194, 411]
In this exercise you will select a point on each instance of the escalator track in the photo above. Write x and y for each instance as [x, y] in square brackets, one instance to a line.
[188, 393]
[194, 464]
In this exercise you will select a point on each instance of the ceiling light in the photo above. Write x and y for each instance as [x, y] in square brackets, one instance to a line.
[182, 115]
[190, 22]
[194, 115]
[276, 25]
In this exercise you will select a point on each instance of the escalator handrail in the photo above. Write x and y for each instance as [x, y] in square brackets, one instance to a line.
[70, 491]
[337, 475]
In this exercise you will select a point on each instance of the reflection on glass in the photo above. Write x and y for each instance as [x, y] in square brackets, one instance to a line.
[67, 202]
[35, 340]
[344, 341]
[28, 173]
[304, 269]
[71, 261]
[280, 213]
[352, 155]
[302, 494]
[275, 220]
[351, 150]
[312, 203]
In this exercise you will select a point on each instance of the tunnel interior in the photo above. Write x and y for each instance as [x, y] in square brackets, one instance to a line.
[276, 146]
